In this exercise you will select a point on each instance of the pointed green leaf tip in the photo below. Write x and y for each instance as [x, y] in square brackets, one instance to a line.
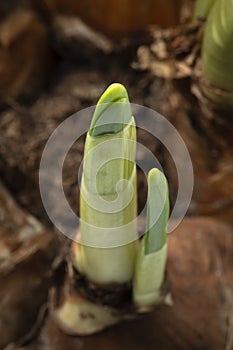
[157, 211]
[112, 113]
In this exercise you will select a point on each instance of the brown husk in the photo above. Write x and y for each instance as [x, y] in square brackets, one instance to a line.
[27, 251]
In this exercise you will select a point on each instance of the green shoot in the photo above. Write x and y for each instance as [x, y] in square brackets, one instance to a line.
[151, 260]
[202, 8]
[108, 250]
[108, 199]
[217, 50]
[157, 202]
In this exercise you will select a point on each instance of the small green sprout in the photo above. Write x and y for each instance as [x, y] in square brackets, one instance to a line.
[151, 260]
[109, 175]
[133, 266]
[217, 51]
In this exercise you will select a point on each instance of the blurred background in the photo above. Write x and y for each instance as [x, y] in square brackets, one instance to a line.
[57, 57]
